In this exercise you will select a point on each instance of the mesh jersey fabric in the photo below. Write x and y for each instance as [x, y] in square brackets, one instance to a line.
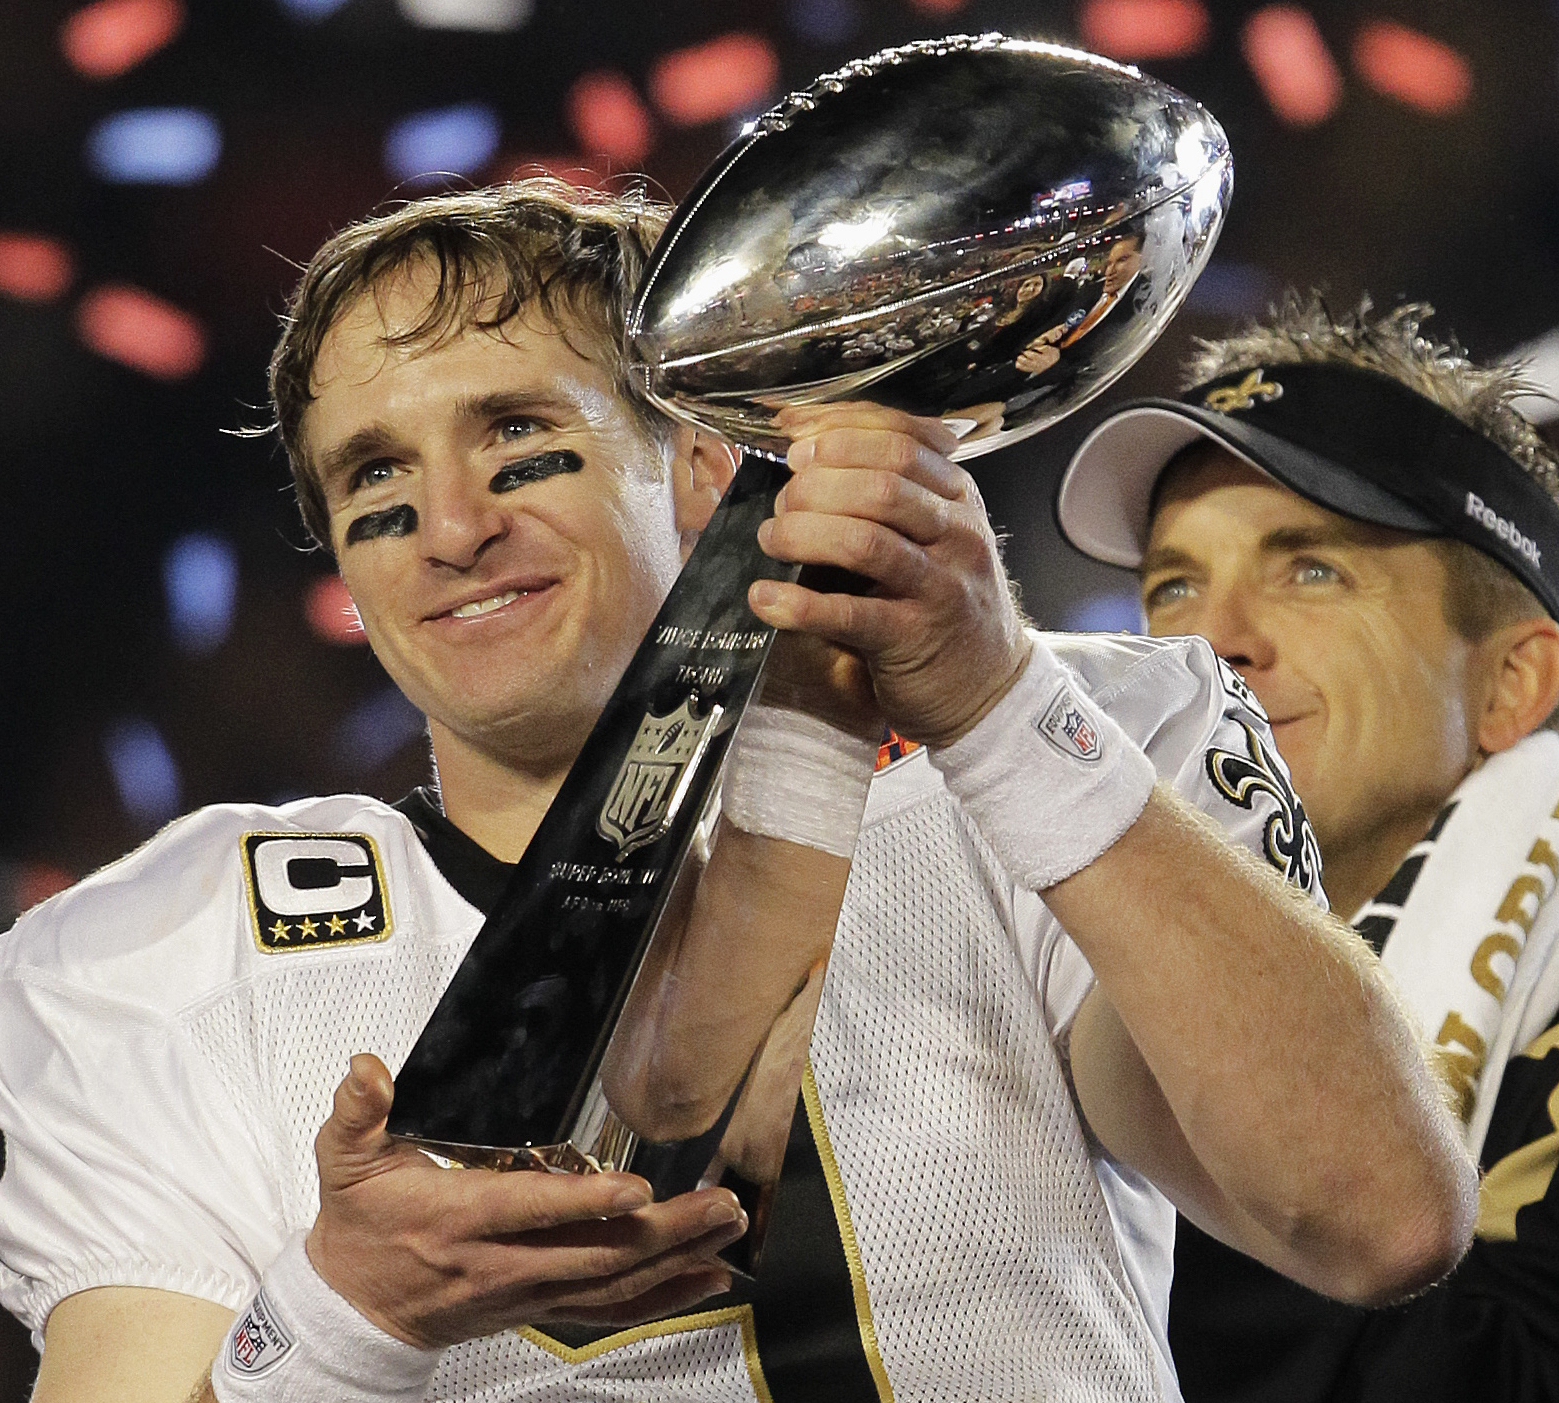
[162, 1077]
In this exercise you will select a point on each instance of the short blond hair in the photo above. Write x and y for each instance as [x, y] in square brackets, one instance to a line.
[575, 255]
[1391, 344]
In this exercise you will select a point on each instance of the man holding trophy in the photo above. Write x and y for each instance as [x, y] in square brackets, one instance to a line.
[1059, 1002]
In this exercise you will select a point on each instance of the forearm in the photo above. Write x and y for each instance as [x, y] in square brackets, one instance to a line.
[1288, 1066]
[122, 1344]
[760, 920]
[742, 935]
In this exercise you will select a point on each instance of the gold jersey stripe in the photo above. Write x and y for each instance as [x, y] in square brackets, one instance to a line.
[852, 1252]
[1542, 1044]
[1522, 1177]
[731, 1315]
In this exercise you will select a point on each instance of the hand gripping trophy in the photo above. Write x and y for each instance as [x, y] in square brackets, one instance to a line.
[979, 228]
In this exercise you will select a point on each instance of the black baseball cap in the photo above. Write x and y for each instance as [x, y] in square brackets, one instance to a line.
[1352, 440]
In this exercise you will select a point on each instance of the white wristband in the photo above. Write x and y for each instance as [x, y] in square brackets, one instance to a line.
[795, 777]
[1047, 776]
[298, 1341]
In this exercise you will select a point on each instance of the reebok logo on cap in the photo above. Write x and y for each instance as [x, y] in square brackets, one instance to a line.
[1507, 531]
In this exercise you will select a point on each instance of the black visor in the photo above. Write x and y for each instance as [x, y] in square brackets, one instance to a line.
[1353, 441]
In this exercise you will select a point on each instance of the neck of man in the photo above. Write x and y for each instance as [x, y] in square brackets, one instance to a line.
[1354, 872]
[495, 799]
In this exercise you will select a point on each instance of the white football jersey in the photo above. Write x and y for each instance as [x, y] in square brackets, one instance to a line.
[172, 1028]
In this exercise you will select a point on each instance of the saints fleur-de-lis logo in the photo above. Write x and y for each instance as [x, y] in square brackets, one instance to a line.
[1228, 398]
[1288, 838]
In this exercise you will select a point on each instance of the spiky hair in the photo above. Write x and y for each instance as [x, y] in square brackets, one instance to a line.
[1391, 344]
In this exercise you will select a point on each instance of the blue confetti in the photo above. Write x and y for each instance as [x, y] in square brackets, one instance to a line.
[1103, 613]
[200, 580]
[445, 141]
[144, 771]
[377, 727]
[155, 146]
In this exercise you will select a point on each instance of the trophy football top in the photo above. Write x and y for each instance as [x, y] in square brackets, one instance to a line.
[982, 228]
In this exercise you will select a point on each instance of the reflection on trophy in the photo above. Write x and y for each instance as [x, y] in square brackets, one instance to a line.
[908, 227]
[984, 229]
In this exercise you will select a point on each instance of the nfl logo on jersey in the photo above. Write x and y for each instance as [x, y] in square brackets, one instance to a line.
[1066, 726]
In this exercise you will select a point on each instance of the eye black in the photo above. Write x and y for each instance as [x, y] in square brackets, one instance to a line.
[392, 521]
[535, 468]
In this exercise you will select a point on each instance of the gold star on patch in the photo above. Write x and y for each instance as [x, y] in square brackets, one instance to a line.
[309, 927]
[335, 925]
[280, 929]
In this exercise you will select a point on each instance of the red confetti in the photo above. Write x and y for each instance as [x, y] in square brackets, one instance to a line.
[330, 612]
[112, 36]
[34, 268]
[732, 74]
[608, 117]
[1411, 67]
[131, 326]
[1292, 64]
[38, 881]
[1138, 29]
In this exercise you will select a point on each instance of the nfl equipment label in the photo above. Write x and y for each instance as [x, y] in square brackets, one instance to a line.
[1067, 726]
[259, 1341]
[654, 776]
[312, 889]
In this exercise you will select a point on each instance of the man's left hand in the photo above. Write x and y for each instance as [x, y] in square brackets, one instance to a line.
[874, 491]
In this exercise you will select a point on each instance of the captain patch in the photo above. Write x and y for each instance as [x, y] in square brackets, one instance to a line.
[312, 889]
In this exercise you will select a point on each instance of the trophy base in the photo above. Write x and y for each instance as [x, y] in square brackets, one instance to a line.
[566, 1158]
[756, 1199]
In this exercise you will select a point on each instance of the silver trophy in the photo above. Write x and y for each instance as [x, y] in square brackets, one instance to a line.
[985, 229]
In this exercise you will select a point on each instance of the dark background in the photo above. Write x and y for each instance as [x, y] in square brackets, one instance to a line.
[169, 639]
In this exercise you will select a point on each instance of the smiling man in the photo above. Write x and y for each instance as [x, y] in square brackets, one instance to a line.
[1032, 906]
[1361, 524]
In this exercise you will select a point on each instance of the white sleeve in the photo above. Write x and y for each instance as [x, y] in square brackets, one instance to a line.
[1206, 735]
[1237, 777]
[124, 1162]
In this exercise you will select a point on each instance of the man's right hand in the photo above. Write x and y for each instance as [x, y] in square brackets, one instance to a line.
[435, 1256]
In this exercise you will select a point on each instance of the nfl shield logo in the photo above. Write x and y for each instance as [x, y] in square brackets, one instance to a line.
[654, 776]
[1066, 726]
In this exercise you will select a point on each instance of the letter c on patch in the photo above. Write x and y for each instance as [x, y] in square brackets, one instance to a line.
[274, 857]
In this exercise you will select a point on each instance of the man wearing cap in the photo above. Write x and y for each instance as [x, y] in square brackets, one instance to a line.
[1366, 529]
